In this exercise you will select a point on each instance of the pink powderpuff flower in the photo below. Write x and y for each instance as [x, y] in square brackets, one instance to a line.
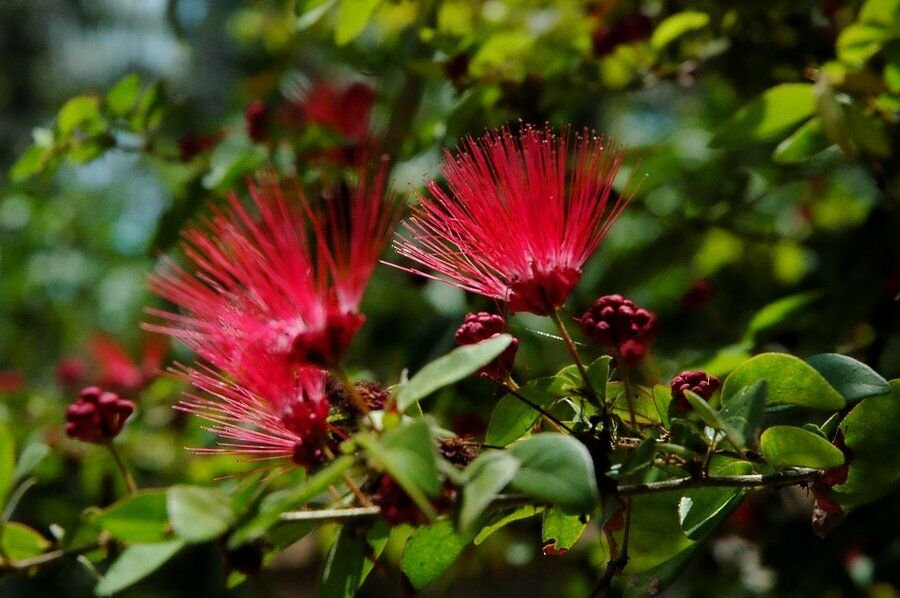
[520, 215]
[287, 283]
[285, 419]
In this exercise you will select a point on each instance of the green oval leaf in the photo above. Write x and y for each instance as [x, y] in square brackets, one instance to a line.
[343, 567]
[560, 531]
[199, 514]
[452, 367]
[790, 381]
[803, 144]
[673, 27]
[770, 114]
[512, 417]
[486, 476]
[139, 518]
[430, 551]
[353, 16]
[871, 431]
[136, 563]
[557, 469]
[787, 446]
[22, 542]
[853, 379]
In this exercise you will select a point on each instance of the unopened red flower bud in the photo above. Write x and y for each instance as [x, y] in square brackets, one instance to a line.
[458, 450]
[397, 507]
[482, 326]
[257, 119]
[696, 381]
[698, 295]
[70, 370]
[97, 416]
[620, 324]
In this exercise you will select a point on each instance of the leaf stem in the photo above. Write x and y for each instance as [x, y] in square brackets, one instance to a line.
[123, 469]
[573, 351]
[511, 389]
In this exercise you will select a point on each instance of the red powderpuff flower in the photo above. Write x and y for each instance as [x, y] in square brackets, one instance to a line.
[482, 326]
[287, 284]
[520, 216]
[97, 417]
[281, 415]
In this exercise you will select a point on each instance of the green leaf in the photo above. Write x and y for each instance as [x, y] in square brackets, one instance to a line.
[867, 131]
[769, 115]
[790, 381]
[778, 312]
[311, 12]
[744, 412]
[233, 158]
[343, 568]
[486, 476]
[871, 431]
[598, 374]
[123, 96]
[353, 16]
[560, 531]
[136, 563]
[80, 111]
[138, 518]
[199, 514]
[557, 469]
[430, 551]
[512, 418]
[884, 12]
[803, 144]
[452, 367]
[673, 27]
[30, 458]
[21, 542]
[30, 163]
[7, 461]
[654, 580]
[500, 519]
[860, 41]
[408, 454]
[655, 535]
[787, 446]
[640, 457]
[701, 510]
[709, 415]
[275, 504]
[852, 379]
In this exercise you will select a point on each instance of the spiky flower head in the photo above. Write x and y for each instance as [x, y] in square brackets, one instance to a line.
[285, 279]
[520, 215]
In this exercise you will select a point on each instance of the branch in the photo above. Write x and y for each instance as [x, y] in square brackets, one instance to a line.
[773, 480]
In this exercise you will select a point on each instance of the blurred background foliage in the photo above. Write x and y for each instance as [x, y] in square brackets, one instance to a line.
[764, 135]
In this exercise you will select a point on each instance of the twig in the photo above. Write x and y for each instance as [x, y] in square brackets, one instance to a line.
[123, 469]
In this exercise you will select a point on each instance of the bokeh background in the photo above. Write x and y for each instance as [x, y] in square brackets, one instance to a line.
[764, 136]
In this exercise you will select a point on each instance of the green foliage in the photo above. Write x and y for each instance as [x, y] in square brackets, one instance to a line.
[870, 432]
[854, 380]
[453, 367]
[22, 542]
[769, 115]
[430, 551]
[199, 514]
[136, 563]
[7, 462]
[789, 381]
[556, 469]
[512, 417]
[486, 476]
[142, 518]
[560, 530]
[787, 446]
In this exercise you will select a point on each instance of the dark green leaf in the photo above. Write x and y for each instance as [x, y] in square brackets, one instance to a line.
[452, 367]
[787, 446]
[803, 144]
[871, 431]
[701, 510]
[640, 457]
[744, 412]
[790, 381]
[139, 518]
[853, 379]
[30, 458]
[408, 454]
[674, 26]
[199, 514]
[501, 519]
[512, 418]
[486, 476]
[136, 563]
[430, 551]
[654, 580]
[275, 504]
[778, 312]
[557, 469]
[771, 114]
[342, 571]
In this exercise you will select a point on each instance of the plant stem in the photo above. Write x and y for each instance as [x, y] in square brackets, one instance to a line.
[573, 351]
[626, 382]
[773, 480]
[123, 469]
[511, 389]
